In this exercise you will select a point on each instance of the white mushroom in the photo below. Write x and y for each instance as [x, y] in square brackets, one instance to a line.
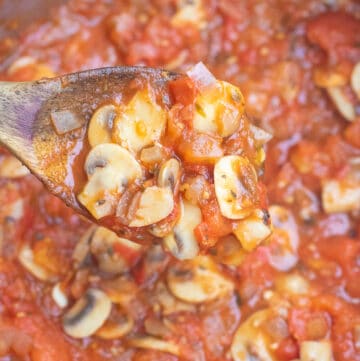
[115, 328]
[198, 280]
[340, 195]
[355, 79]
[284, 240]
[101, 125]
[181, 242]
[315, 351]
[235, 186]
[110, 168]
[342, 103]
[88, 314]
[26, 258]
[169, 174]
[154, 343]
[218, 109]
[59, 296]
[103, 242]
[155, 204]
[11, 167]
[253, 229]
[250, 341]
[140, 123]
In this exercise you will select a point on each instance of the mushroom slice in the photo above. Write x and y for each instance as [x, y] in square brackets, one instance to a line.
[253, 229]
[101, 125]
[169, 174]
[198, 280]
[104, 244]
[235, 182]
[154, 205]
[88, 314]
[116, 327]
[342, 103]
[355, 79]
[154, 343]
[316, 351]
[218, 109]
[109, 168]
[26, 258]
[182, 242]
[250, 341]
[141, 122]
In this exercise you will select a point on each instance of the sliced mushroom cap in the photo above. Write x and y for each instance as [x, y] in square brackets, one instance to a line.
[344, 106]
[101, 125]
[169, 174]
[154, 343]
[155, 204]
[141, 123]
[284, 240]
[181, 242]
[253, 229]
[104, 244]
[218, 109]
[88, 314]
[235, 182]
[82, 248]
[250, 341]
[109, 168]
[26, 258]
[355, 79]
[198, 280]
[116, 326]
[316, 351]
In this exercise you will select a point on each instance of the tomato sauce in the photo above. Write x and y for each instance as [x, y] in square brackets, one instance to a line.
[297, 293]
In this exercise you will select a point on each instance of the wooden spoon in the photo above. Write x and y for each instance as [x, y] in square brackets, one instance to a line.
[28, 109]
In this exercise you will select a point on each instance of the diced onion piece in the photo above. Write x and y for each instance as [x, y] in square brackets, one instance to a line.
[59, 296]
[153, 343]
[292, 284]
[65, 121]
[110, 168]
[155, 204]
[252, 230]
[201, 76]
[181, 242]
[340, 196]
[101, 125]
[189, 13]
[88, 314]
[235, 186]
[250, 340]
[11, 167]
[260, 135]
[103, 246]
[342, 103]
[153, 155]
[315, 351]
[355, 79]
[26, 258]
[198, 280]
[140, 123]
[218, 109]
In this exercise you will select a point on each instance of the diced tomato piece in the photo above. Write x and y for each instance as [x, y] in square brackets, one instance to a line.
[288, 349]
[183, 90]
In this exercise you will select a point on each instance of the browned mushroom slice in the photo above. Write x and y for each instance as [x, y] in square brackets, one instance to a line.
[88, 314]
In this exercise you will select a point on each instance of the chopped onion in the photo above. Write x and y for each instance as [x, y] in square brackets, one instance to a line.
[201, 76]
[65, 121]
